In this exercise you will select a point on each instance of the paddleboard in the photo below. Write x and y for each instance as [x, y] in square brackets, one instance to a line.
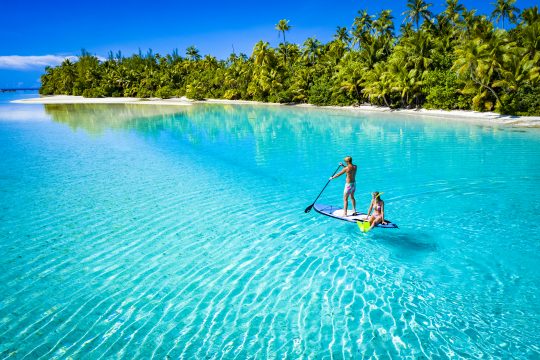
[336, 212]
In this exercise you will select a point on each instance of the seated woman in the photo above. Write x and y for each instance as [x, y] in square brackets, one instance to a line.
[377, 205]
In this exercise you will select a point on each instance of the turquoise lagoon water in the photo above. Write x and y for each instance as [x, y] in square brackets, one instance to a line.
[165, 232]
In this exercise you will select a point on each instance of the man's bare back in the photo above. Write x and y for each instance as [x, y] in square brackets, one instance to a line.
[350, 169]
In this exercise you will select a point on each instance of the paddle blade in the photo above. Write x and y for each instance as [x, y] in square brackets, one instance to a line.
[308, 209]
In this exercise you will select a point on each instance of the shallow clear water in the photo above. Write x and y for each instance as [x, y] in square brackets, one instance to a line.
[146, 231]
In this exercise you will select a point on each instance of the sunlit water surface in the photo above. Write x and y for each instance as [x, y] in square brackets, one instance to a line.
[145, 232]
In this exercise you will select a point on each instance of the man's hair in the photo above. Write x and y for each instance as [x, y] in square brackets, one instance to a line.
[348, 159]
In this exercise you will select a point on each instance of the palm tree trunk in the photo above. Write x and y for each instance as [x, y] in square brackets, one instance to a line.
[285, 42]
[357, 93]
[486, 87]
[385, 101]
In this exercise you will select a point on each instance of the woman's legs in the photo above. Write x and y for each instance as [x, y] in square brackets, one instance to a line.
[375, 220]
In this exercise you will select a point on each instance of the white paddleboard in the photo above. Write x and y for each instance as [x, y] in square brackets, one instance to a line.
[337, 213]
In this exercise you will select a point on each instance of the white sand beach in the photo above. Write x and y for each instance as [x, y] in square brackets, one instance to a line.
[460, 115]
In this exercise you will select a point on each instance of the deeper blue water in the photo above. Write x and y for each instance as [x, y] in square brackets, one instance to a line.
[139, 231]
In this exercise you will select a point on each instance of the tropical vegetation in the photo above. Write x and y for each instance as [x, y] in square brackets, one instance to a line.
[456, 59]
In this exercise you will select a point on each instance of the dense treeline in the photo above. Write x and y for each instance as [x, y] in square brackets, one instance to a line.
[453, 60]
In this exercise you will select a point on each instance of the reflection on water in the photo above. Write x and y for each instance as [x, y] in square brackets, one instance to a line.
[241, 121]
[96, 119]
[302, 131]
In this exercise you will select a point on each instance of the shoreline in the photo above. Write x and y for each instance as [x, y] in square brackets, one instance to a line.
[462, 115]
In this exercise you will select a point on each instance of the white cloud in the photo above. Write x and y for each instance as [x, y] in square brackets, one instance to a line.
[17, 62]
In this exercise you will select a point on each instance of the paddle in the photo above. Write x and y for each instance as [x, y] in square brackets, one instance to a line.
[308, 209]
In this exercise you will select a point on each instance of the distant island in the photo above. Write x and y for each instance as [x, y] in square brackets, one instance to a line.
[17, 89]
[455, 59]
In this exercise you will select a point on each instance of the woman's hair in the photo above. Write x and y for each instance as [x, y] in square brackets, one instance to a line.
[377, 194]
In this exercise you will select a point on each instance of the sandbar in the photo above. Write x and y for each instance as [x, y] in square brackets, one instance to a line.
[69, 99]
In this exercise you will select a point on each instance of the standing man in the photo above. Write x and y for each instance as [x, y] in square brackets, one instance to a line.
[350, 184]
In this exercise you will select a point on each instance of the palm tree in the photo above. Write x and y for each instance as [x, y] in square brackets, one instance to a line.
[282, 26]
[505, 9]
[332, 54]
[286, 53]
[453, 10]
[384, 25]
[300, 84]
[377, 85]
[311, 50]
[417, 9]
[348, 76]
[174, 57]
[530, 15]
[262, 54]
[469, 18]
[517, 70]
[342, 35]
[361, 26]
[530, 38]
[419, 51]
[67, 77]
[404, 82]
[477, 64]
[192, 53]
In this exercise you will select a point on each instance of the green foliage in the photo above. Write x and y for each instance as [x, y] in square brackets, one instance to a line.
[144, 92]
[232, 94]
[442, 90]
[164, 92]
[94, 93]
[195, 90]
[525, 101]
[321, 91]
[452, 60]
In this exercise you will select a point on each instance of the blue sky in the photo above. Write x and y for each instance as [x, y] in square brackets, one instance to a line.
[36, 33]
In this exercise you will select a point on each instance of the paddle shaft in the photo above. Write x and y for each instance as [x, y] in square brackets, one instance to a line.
[317, 198]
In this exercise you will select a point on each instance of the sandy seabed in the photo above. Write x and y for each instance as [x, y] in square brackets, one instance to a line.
[462, 115]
